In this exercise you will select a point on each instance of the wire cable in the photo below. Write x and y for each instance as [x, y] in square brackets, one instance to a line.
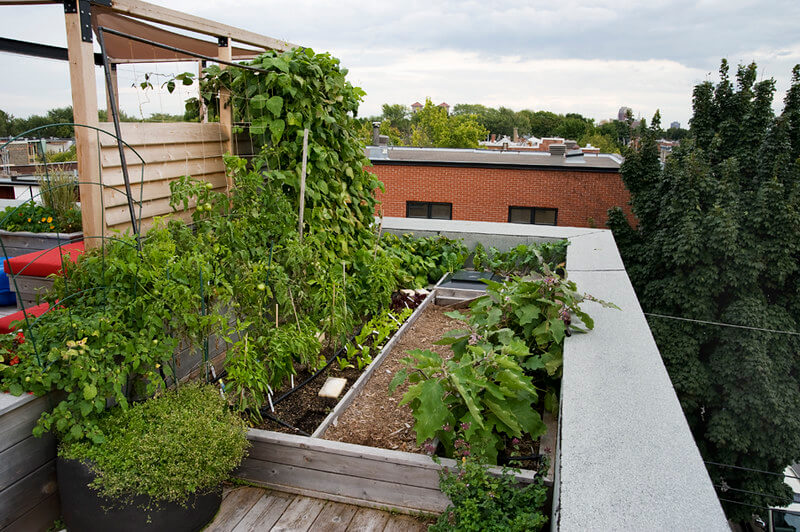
[721, 324]
[728, 488]
[751, 469]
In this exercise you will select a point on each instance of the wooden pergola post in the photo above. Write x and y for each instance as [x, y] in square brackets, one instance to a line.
[84, 109]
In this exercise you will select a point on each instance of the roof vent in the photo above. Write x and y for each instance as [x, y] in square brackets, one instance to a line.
[558, 149]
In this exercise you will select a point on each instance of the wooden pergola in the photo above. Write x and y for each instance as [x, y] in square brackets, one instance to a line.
[95, 155]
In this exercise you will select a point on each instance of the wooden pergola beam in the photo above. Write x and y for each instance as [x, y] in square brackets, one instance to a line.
[177, 19]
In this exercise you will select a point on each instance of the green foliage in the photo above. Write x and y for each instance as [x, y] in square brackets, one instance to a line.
[58, 188]
[65, 156]
[372, 338]
[485, 501]
[180, 443]
[522, 259]
[719, 240]
[36, 218]
[11, 126]
[420, 261]
[512, 351]
[433, 127]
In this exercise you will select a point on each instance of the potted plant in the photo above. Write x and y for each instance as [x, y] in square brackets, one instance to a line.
[160, 466]
[34, 226]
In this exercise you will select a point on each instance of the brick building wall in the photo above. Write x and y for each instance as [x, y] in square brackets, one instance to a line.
[485, 194]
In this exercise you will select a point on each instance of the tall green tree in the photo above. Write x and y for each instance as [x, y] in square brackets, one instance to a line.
[718, 239]
[433, 127]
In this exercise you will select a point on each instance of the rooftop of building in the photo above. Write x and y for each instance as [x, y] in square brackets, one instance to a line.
[493, 158]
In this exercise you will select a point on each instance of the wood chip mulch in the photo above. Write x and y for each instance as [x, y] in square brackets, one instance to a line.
[374, 418]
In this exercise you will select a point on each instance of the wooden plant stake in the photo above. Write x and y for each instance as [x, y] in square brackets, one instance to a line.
[303, 183]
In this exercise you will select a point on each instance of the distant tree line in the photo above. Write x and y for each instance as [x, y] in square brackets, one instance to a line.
[11, 126]
[476, 122]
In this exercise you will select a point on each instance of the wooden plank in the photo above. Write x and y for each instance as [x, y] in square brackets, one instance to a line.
[165, 133]
[180, 151]
[353, 466]
[300, 514]
[346, 449]
[353, 489]
[158, 207]
[114, 197]
[368, 520]
[28, 455]
[16, 424]
[146, 223]
[334, 517]
[234, 508]
[84, 109]
[166, 170]
[170, 17]
[40, 518]
[348, 398]
[265, 512]
[27, 493]
[405, 523]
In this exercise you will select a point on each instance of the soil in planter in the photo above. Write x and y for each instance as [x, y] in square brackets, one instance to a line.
[304, 409]
[374, 418]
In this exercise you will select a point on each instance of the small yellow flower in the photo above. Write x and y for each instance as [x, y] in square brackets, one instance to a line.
[29, 219]
[52, 226]
[43, 218]
[49, 219]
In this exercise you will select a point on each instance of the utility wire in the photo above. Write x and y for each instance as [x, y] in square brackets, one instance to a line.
[721, 324]
[751, 469]
[728, 488]
[761, 507]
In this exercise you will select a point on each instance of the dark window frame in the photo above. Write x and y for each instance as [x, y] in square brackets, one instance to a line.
[533, 214]
[429, 205]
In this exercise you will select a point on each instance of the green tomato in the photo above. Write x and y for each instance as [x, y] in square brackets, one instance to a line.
[207, 206]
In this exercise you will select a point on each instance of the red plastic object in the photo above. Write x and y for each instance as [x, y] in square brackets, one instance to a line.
[33, 312]
[43, 263]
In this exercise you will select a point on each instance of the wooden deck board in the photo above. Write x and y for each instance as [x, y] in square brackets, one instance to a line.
[235, 506]
[253, 509]
[265, 513]
[300, 514]
[368, 520]
[334, 517]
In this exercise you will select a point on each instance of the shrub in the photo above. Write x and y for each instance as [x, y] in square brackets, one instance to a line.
[183, 442]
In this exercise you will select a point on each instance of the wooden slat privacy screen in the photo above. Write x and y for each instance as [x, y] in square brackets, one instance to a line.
[169, 150]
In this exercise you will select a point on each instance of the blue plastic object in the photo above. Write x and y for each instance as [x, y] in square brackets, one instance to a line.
[7, 296]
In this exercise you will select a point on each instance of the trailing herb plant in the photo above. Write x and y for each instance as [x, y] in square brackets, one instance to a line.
[169, 448]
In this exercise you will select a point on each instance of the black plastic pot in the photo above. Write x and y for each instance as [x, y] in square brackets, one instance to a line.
[83, 510]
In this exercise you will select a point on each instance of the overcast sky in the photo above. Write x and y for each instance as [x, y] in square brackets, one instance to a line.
[579, 56]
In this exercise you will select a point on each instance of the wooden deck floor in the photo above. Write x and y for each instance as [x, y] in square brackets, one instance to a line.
[255, 509]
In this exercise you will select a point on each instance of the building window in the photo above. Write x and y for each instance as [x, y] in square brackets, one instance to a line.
[532, 215]
[427, 209]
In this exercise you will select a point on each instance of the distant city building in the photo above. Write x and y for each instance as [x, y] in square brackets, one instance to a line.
[622, 114]
[675, 125]
[445, 106]
[416, 106]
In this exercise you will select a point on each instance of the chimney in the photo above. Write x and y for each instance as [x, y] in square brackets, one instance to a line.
[558, 150]
[376, 133]
[516, 135]
[505, 146]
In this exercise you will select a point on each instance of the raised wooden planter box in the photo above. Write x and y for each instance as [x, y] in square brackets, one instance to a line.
[28, 490]
[357, 474]
[21, 242]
